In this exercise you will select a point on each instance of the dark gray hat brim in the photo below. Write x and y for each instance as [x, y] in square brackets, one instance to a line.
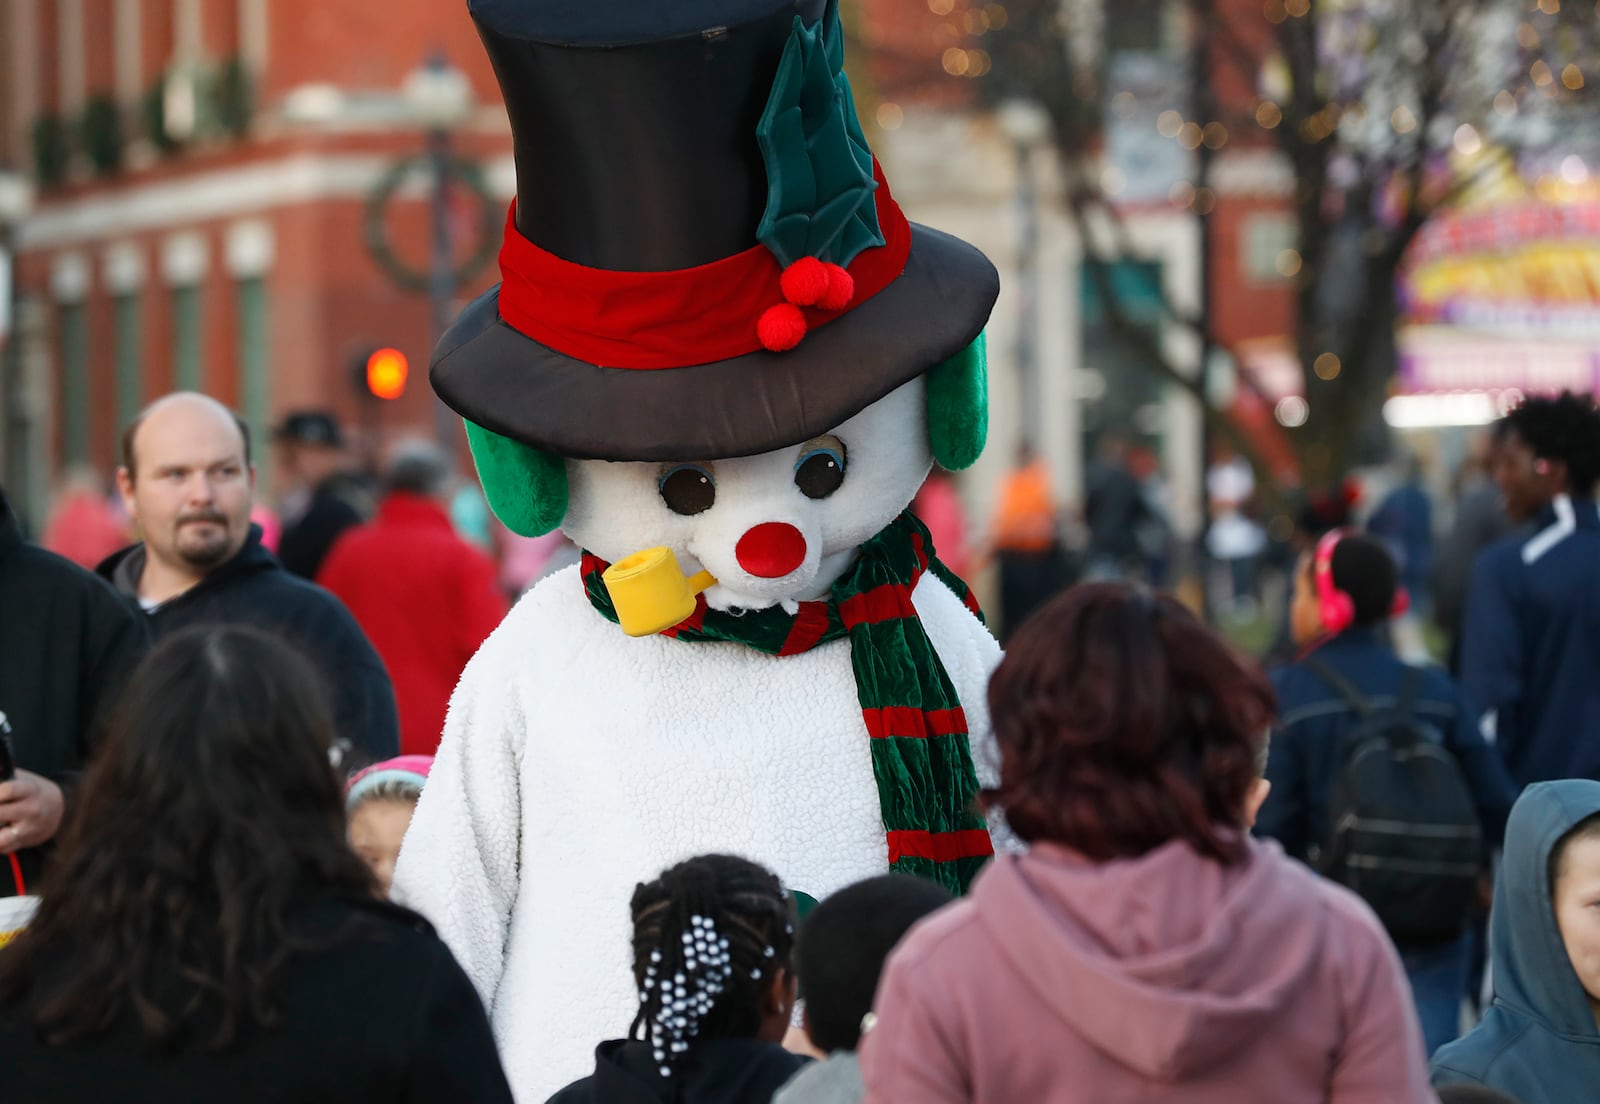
[506, 382]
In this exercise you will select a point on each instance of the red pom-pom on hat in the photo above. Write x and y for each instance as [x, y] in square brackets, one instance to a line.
[805, 282]
[841, 289]
[781, 327]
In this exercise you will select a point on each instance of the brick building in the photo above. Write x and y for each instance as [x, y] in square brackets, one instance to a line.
[204, 168]
[202, 172]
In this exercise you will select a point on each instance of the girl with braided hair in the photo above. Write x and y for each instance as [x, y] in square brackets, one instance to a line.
[712, 938]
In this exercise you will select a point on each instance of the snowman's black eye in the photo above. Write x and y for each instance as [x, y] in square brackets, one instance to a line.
[687, 489]
[820, 470]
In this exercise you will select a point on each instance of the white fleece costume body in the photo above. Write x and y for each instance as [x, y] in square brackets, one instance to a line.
[577, 762]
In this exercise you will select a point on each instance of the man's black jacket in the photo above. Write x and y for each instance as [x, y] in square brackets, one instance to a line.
[67, 643]
[254, 589]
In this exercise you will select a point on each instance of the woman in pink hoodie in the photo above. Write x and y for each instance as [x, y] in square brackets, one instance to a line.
[1145, 948]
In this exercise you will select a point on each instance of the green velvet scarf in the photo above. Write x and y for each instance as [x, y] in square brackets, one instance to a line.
[921, 755]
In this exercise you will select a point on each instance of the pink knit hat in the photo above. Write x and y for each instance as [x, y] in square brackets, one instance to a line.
[410, 769]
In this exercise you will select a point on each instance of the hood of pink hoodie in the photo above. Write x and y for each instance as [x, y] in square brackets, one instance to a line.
[1200, 957]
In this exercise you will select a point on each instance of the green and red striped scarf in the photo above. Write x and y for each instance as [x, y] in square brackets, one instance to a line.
[921, 755]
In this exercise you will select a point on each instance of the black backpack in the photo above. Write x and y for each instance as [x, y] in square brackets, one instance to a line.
[1403, 830]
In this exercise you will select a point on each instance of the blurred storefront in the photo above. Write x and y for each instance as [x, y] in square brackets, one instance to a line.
[205, 173]
[1501, 297]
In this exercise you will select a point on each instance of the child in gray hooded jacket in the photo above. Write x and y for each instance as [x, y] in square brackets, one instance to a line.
[839, 955]
[1540, 1041]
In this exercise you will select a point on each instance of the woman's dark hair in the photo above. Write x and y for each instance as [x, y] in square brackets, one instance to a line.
[691, 985]
[1124, 723]
[844, 943]
[1565, 428]
[208, 815]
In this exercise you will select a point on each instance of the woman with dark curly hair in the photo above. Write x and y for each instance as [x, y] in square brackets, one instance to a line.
[1145, 947]
[205, 931]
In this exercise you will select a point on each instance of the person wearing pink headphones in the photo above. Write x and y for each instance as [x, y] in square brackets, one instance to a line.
[1379, 780]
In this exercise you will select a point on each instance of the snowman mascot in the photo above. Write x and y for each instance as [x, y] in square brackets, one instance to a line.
[722, 362]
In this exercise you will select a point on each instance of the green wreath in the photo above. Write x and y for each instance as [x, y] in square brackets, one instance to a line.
[372, 225]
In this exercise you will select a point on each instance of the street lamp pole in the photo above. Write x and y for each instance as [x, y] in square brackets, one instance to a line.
[1028, 292]
[1027, 125]
[441, 272]
[441, 99]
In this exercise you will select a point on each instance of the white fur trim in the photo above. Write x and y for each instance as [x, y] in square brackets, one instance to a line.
[616, 508]
[577, 762]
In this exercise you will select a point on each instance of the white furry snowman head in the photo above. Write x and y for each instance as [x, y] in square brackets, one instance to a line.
[775, 528]
[778, 527]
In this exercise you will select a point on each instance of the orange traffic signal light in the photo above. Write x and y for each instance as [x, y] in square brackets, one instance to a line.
[386, 373]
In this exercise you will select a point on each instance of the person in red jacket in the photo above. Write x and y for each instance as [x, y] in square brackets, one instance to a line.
[425, 597]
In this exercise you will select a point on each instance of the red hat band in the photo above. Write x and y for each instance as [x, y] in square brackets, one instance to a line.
[715, 311]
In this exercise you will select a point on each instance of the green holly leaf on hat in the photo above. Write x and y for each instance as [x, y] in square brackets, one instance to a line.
[819, 168]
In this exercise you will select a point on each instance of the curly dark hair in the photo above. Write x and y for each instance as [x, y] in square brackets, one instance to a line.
[1124, 723]
[1565, 428]
[208, 816]
[748, 907]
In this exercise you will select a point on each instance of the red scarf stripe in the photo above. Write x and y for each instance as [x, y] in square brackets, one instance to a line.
[903, 720]
[887, 602]
[810, 623]
[920, 548]
[672, 319]
[969, 843]
[970, 600]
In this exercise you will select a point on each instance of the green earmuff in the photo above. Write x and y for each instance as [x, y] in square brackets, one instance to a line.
[958, 407]
[526, 487]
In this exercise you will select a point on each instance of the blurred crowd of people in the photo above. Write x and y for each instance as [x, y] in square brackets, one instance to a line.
[1295, 884]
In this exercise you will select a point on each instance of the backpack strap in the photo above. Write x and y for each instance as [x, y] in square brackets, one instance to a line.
[1410, 688]
[1342, 686]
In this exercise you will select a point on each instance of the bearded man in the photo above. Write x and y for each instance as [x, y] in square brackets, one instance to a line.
[187, 481]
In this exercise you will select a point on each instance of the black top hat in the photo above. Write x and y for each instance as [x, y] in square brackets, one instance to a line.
[674, 162]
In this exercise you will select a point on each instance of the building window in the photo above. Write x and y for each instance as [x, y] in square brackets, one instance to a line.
[255, 382]
[127, 34]
[70, 44]
[1270, 254]
[73, 320]
[130, 369]
[186, 342]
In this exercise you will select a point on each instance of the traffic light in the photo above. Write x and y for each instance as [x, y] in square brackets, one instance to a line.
[386, 372]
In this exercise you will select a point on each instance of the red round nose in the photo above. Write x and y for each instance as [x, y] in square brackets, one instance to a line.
[771, 550]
